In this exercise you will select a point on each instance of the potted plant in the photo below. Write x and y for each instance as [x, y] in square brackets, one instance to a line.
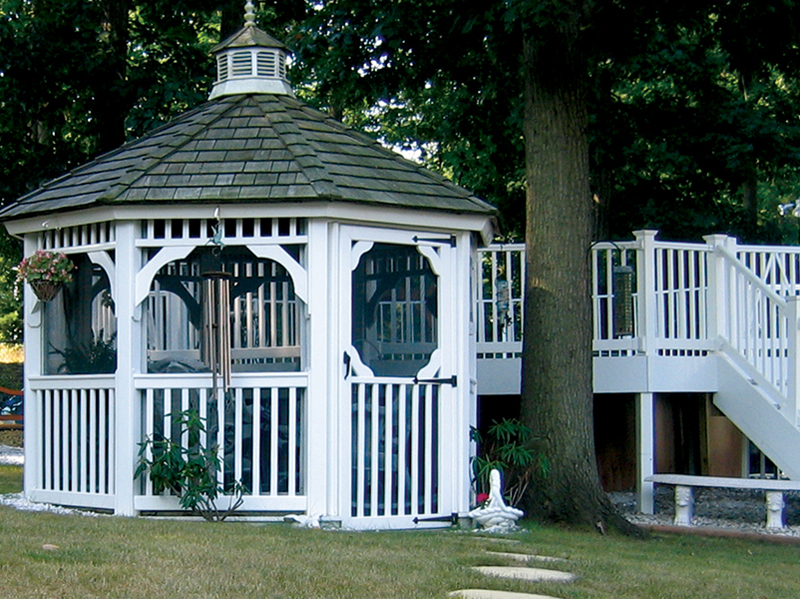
[46, 272]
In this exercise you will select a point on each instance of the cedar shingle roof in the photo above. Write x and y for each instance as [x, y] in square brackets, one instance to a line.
[249, 148]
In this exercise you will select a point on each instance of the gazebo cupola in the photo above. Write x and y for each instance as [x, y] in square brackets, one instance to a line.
[250, 62]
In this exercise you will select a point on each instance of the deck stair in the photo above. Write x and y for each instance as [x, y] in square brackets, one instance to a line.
[714, 317]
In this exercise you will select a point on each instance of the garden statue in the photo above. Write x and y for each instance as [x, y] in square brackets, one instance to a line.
[494, 513]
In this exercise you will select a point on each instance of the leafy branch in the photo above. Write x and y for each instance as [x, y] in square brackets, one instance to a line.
[507, 448]
[188, 472]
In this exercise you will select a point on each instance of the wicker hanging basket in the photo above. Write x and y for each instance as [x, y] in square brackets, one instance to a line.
[45, 290]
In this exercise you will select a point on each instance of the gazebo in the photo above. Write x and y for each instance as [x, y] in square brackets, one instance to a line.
[306, 290]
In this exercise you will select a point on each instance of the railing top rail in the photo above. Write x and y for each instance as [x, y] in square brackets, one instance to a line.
[204, 380]
[616, 245]
[751, 276]
[771, 249]
[72, 381]
[503, 247]
[682, 245]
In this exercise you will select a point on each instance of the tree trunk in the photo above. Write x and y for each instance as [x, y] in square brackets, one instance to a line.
[557, 359]
[112, 103]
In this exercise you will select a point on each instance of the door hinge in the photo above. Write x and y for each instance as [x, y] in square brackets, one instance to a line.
[453, 380]
[452, 519]
[451, 240]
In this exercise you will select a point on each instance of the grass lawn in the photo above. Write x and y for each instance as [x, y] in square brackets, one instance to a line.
[120, 557]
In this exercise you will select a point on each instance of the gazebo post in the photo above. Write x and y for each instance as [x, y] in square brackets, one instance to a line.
[126, 417]
[319, 458]
[33, 366]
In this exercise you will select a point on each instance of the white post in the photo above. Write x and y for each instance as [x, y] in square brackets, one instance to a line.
[684, 506]
[321, 396]
[717, 290]
[34, 337]
[646, 289]
[775, 507]
[645, 446]
[129, 349]
[793, 388]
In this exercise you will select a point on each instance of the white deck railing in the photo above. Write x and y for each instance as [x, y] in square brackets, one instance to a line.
[685, 300]
[499, 278]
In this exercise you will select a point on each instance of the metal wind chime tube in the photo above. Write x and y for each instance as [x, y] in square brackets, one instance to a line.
[217, 327]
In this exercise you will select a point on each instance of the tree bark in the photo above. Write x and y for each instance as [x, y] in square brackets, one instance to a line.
[557, 359]
[112, 103]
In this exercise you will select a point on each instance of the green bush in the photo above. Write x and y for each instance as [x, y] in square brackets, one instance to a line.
[188, 472]
[507, 448]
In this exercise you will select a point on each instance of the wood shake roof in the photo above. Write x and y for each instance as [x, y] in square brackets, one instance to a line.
[249, 148]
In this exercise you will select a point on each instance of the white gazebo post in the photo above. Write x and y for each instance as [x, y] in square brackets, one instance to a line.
[32, 431]
[319, 459]
[126, 415]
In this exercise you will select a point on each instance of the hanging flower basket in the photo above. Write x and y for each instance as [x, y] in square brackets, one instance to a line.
[45, 290]
[46, 272]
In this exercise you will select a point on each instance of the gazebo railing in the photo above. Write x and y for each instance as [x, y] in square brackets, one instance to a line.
[73, 420]
[258, 425]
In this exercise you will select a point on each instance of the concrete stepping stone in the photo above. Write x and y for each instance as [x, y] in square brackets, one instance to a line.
[486, 594]
[527, 557]
[525, 573]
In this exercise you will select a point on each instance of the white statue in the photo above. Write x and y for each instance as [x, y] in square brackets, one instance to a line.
[495, 513]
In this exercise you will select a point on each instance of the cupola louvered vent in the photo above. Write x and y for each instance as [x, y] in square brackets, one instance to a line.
[242, 64]
[222, 68]
[282, 66]
[266, 64]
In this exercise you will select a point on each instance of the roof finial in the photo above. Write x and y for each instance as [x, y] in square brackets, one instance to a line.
[249, 14]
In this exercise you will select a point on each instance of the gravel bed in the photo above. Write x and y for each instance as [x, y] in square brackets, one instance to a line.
[11, 455]
[731, 509]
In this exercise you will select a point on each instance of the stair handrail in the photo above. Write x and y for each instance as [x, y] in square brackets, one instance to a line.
[770, 348]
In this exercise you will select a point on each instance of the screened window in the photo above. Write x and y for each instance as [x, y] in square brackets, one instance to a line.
[263, 311]
[80, 324]
[394, 311]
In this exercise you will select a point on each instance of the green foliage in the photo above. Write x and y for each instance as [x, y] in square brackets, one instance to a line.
[507, 448]
[188, 471]
[45, 265]
[10, 291]
[97, 356]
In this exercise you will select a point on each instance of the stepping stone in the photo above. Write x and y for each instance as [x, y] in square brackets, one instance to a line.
[523, 573]
[527, 557]
[485, 594]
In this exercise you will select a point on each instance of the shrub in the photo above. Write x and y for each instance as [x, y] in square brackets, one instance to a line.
[507, 448]
[188, 472]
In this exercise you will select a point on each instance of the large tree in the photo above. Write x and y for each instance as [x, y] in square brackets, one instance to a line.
[557, 359]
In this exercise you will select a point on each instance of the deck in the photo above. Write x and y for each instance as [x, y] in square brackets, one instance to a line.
[714, 317]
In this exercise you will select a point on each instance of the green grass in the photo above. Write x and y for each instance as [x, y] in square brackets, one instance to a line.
[10, 479]
[121, 557]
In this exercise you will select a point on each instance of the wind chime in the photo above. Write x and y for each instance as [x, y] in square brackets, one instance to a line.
[216, 348]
